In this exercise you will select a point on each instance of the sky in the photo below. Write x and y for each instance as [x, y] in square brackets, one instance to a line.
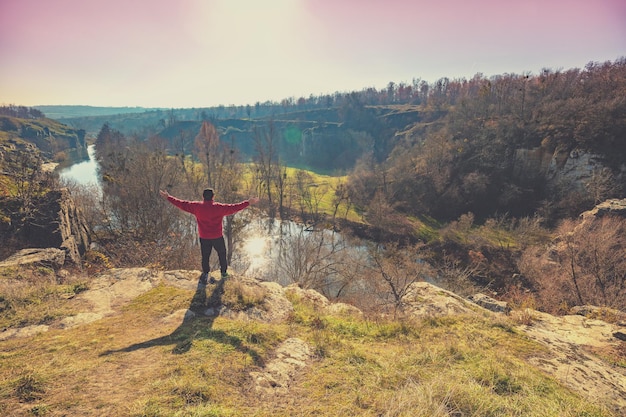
[203, 53]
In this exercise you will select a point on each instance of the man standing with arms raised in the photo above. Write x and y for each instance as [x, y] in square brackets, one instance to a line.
[209, 216]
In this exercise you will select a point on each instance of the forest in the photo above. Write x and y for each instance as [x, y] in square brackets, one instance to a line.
[441, 149]
[464, 175]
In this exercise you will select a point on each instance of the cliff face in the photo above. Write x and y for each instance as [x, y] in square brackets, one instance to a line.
[560, 166]
[66, 228]
[72, 228]
[56, 223]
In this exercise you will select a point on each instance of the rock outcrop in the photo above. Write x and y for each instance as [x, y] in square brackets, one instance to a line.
[49, 136]
[613, 207]
[560, 166]
[58, 223]
[490, 303]
[290, 357]
[427, 300]
[574, 349]
[50, 257]
[576, 167]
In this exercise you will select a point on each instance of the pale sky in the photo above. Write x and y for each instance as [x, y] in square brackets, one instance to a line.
[203, 53]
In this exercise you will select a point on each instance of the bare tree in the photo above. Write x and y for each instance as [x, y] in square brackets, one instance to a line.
[341, 196]
[394, 270]
[227, 181]
[132, 193]
[569, 253]
[603, 185]
[25, 169]
[456, 276]
[268, 166]
[309, 195]
[206, 144]
[312, 259]
[182, 146]
[597, 249]
[281, 184]
[586, 265]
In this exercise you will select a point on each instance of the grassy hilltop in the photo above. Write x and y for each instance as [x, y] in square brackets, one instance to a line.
[140, 342]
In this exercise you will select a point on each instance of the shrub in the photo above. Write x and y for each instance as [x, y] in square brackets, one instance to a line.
[584, 265]
[240, 297]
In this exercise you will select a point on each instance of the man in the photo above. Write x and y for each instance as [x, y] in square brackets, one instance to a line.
[209, 215]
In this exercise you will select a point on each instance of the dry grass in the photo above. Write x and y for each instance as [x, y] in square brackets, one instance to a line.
[523, 305]
[35, 295]
[140, 362]
[239, 297]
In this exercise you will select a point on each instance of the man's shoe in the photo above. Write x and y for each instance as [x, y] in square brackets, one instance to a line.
[211, 280]
[225, 275]
[203, 278]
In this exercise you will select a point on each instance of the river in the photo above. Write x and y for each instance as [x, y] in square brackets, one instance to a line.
[82, 171]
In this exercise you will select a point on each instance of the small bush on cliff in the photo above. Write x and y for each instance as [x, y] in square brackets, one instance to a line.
[584, 265]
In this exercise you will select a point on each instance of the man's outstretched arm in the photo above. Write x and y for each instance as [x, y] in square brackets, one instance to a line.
[188, 206]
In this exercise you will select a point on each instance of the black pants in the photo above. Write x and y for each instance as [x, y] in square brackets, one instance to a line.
[206, 246]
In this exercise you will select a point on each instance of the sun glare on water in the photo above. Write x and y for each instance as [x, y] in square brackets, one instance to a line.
[256, 250]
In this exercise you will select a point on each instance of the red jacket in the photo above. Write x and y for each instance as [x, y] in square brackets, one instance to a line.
[209, 214]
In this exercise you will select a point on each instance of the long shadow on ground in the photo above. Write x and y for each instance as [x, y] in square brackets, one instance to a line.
[195, 326]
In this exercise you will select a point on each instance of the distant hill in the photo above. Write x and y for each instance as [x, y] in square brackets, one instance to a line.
[50, 136]
[329, 139]
[64, 112]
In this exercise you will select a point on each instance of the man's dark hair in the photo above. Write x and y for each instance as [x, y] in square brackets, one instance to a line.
[208, 194]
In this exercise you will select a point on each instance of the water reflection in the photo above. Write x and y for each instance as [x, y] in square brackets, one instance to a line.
[84, 172]
[257, 253]
[255, 249]
[287, 252]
